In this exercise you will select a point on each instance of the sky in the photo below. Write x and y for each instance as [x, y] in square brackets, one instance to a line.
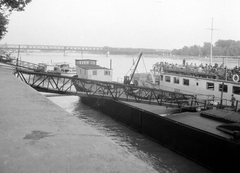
[157, 24]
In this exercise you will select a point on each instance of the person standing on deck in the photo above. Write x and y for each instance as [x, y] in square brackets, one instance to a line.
[184, 62]
[233, 99]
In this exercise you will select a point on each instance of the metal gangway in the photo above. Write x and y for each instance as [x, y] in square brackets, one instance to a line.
[17, 63]
[46, 82]
[53, 83]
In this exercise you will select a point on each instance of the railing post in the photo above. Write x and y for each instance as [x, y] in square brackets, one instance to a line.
[236, 107]
[221, 105]
[161, 98]
[205, 104]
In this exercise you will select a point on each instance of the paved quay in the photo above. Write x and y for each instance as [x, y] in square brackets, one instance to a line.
[38, 136]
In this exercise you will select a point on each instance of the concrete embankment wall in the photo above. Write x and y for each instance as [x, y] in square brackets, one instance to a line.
[216, 153]
[38, 136]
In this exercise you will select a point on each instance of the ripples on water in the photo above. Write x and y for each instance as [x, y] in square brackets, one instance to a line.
[160, 158]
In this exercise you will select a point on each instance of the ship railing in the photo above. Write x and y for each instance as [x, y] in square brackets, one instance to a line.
[221, 74]
[46, 82]
[212, 102]
[219, 103]
[16, 63]
[26, 64]
[195, 73]
[201, 101]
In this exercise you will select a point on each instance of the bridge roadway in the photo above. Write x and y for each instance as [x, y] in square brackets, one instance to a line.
[39, 136]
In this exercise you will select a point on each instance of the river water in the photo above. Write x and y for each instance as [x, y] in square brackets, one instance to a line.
[160, 158]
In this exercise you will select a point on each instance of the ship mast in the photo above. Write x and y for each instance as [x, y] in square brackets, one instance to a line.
[211, 41]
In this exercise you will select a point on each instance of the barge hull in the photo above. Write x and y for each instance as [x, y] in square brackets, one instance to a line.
[216, 152]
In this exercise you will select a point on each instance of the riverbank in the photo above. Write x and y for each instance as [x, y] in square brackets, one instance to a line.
[39, 136]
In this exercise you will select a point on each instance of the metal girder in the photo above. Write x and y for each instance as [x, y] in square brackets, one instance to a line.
[111, 90]
[45, 81]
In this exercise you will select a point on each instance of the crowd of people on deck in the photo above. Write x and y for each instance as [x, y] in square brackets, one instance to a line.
[220, 72]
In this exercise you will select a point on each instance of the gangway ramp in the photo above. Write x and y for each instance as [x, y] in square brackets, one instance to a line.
[16, 63]
[46, 82]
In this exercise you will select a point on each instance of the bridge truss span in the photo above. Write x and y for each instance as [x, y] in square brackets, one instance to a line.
[51, 47]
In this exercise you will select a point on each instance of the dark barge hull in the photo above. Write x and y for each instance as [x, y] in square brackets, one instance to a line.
[209, 147]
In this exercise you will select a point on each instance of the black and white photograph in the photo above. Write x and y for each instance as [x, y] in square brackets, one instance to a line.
[119, 86]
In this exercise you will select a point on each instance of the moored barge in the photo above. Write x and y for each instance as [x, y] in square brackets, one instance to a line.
[210, 137]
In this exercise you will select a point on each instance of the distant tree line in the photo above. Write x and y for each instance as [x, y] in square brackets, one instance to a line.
[220, 48]
[132, 51]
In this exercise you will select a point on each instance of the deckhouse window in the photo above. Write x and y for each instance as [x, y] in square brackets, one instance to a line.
[186, 82]
[236, 90]
[106, 72]
[167, 79]
[94, 72]
[225, 88]
[176, 80]
[210, 86]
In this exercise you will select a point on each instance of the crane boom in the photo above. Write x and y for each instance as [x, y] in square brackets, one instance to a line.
[139, 57]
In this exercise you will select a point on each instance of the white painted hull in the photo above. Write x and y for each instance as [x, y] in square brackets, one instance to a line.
[200, 86]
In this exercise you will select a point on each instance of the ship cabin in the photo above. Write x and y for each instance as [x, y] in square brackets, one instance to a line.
[88, 69]
[216, 81]
[200, 86]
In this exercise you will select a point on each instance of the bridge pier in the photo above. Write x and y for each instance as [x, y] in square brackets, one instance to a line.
[64, 52]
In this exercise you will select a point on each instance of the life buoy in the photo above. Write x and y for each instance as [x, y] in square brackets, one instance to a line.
[235, 78]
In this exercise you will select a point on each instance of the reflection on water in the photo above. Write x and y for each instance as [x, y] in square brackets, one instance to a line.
[160, 158]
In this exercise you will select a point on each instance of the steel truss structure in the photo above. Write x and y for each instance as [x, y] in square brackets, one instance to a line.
[52, 83]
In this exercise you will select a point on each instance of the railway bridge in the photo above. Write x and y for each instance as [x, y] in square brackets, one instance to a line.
[65, 49]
